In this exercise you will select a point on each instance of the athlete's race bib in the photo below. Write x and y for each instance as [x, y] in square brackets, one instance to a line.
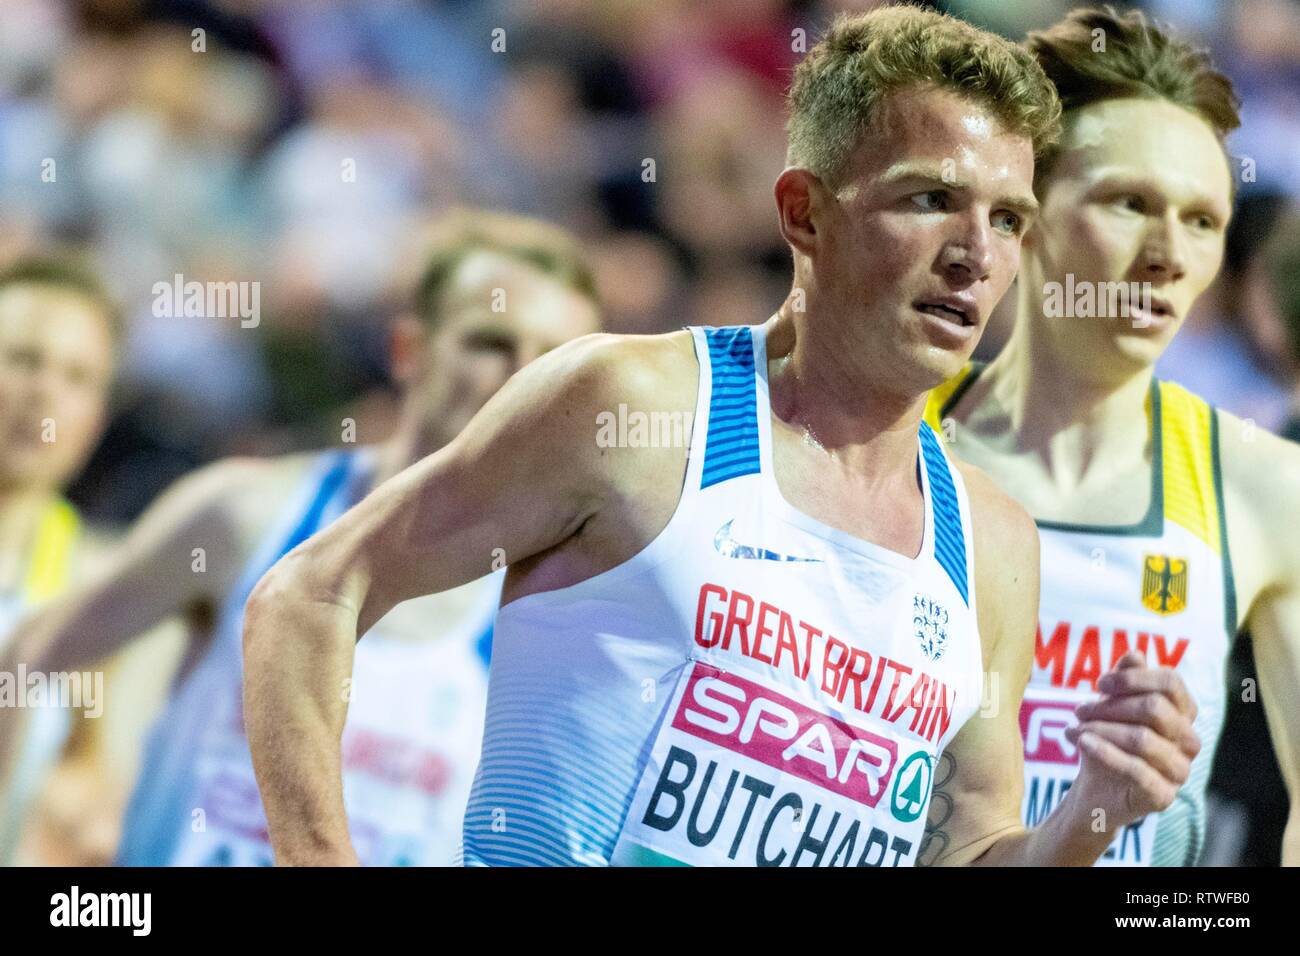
[228, 826]
[1052, 763]
[742, 773]
[238, 836]
[391, 823]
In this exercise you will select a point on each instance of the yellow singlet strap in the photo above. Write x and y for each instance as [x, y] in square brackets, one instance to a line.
[1188, 450]
[940, 395]
[48, 572]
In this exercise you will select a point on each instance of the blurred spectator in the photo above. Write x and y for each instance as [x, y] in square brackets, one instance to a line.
[1230, 349]
[1260, 39]
[1280, 264]
[640, 282]
[1246, 781]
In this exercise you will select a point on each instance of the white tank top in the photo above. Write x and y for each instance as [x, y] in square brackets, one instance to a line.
[409, 746]
[753, 687]
[1162, 587]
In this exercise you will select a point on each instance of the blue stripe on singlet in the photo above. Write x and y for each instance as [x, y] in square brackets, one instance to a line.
[949, 540]
[161, 802]
[310, 522]
[731, 449]
[483, 644]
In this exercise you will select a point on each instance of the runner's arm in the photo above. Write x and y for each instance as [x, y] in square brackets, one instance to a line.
[523, 476]
[151, 577]
[1274, 620]
[980, 775]
[1275, 627]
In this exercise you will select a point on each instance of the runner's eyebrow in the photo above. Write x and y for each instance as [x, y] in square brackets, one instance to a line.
[1113, 179]
[930, 176]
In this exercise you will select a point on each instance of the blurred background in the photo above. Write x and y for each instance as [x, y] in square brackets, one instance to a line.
[213, 139]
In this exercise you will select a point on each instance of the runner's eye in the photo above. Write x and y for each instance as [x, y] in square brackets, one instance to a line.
[934, 201]
[1008, 222]
[21, 358]
[489, 341]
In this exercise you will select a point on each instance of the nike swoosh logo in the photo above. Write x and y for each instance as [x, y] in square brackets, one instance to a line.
[729, 547]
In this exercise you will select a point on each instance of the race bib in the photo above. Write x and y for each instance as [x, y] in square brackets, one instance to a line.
[1052, 763]
[227, 827]
[744, 774]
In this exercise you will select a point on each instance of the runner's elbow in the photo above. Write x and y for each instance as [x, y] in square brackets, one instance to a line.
[282, 587]
[302, 587]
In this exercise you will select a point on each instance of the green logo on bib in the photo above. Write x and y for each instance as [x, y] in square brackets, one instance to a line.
[911, 787]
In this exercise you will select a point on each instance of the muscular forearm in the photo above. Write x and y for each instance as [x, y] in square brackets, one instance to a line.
[297, 666]
[1071, 836]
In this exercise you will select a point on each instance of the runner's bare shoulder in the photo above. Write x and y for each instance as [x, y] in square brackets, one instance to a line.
[597, 391]
[1261, 487]
[231, 502]
[1006, 557]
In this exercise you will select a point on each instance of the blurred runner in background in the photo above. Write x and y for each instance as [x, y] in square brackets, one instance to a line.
[496, 292]
[57, 340]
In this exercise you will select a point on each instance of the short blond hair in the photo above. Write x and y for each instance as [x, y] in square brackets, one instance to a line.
[462, 231]
[72, 271]
[839, 85]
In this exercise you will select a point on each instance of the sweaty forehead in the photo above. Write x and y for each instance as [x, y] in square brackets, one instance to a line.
[50, 314]
[1144, 138]
[920, 124]
[481, 272]
[492, 289]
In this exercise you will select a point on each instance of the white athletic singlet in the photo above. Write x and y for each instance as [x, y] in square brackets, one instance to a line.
[753, 687]
[409, 746]
[1162, 587]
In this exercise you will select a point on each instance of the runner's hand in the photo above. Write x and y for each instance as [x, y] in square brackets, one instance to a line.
[1137, 741]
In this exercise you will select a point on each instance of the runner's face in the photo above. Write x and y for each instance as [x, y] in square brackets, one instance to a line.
[497, 316]
[931, 215]
[1140, 194]
[56, 361]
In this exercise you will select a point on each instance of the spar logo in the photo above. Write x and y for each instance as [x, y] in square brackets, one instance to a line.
[1043, 725]
[912, 787]
[767, 726]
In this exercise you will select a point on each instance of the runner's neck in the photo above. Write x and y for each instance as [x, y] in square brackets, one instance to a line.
[1052, 411]
[870, 431]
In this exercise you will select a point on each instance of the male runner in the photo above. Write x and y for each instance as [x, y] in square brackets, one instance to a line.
[56, 363]
[754, 652]
[497, 291]
[1159, 516]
